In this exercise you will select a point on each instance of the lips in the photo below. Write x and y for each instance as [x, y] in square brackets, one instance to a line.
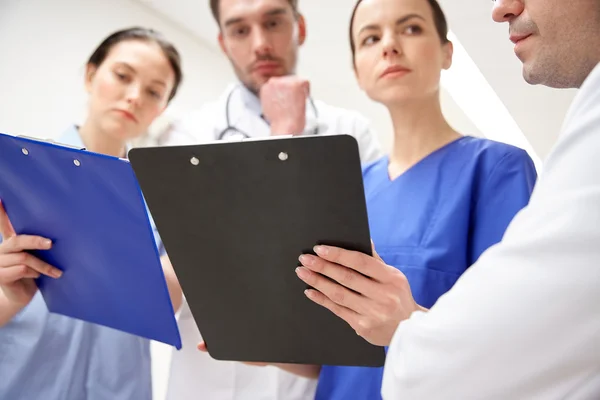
[266, 66]
[127, 115]
[518, 38]
[394, 70]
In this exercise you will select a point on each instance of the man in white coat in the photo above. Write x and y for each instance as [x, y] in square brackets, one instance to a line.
[261, 38]
[524, 321]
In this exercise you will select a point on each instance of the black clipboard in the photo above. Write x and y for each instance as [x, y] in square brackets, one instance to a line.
[235, 216]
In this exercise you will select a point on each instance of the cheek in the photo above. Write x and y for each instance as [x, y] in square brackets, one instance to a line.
[238, 54]
[428, 60]
[365, 71]
[149, 113]
[286, 40]
[106, 90]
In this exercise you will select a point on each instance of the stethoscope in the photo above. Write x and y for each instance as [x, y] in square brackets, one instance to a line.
[234, 133]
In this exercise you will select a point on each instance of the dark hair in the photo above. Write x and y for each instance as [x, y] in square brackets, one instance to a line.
[439, 19]
[214, 7]
[137, 33]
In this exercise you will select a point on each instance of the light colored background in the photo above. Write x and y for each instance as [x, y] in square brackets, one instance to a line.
[44, 46]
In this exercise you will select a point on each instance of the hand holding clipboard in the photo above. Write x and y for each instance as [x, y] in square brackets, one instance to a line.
[18, 268]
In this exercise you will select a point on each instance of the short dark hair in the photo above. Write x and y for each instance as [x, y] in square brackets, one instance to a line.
[145, 34]
[214, 8]
[439, 18]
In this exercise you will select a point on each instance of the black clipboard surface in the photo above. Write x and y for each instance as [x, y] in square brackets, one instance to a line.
[235, 216]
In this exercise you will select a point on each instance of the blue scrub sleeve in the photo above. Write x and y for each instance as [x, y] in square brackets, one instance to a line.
[505, 192]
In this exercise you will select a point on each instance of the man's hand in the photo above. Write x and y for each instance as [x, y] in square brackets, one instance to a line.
[19, 268]
[283, 102]
[372, 297]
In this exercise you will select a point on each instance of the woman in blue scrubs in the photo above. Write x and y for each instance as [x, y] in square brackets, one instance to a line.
[435, 204]
[130, 79]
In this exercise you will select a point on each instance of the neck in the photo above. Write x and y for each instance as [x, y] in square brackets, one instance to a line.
[101, 142]
[419, 129]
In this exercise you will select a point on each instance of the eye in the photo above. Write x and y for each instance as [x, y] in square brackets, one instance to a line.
[121, 76]
[155, 94]
[369, 40]
[272, 24]
[413, 30]
[240, 31]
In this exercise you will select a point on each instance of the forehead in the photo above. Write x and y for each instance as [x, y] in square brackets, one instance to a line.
[376, 12]
[246, 9]
[144, 56]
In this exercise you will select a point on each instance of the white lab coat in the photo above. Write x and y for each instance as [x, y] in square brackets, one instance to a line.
[195, 375]
[524, 321]
[205, 124]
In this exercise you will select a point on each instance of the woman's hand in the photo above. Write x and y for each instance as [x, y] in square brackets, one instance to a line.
[372, 297]
[18, 269]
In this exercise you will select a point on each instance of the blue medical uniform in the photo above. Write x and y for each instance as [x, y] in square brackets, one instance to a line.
[50, 356]
[432, 223]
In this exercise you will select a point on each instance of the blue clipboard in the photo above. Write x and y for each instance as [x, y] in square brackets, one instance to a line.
[91, 207]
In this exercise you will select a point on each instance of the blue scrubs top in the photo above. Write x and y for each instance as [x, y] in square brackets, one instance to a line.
[50, 356]
[432, 223]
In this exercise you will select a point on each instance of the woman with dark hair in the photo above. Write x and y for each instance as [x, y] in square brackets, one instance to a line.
[435, 204]
[130, 79]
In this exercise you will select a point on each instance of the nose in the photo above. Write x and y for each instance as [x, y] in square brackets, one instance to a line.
[260, 42]
[390, 45]
[133, 93]
[507, 10]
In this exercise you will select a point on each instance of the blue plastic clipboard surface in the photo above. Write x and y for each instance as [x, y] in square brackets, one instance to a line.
[103, 242]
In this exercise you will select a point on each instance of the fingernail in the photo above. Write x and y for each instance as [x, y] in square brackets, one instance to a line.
[56, 273]
[302, 273]
[306, 260]
[47, 243]
[321, 250]
[308, 294]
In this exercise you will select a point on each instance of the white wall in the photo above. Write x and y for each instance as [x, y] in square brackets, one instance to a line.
[45, 45]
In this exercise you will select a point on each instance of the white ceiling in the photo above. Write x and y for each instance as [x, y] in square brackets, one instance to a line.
[538, 111]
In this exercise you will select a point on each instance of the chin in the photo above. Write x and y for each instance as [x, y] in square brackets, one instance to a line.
[120, 130]
[529, 75]
[254, 85]
[398, 98]
[395, 93]
[554, 72]
[544, 76]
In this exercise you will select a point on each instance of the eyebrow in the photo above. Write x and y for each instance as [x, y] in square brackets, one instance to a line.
[129, 67]
[400, 21]
[271, 13]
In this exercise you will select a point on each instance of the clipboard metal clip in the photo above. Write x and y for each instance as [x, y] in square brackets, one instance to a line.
[51, 141]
